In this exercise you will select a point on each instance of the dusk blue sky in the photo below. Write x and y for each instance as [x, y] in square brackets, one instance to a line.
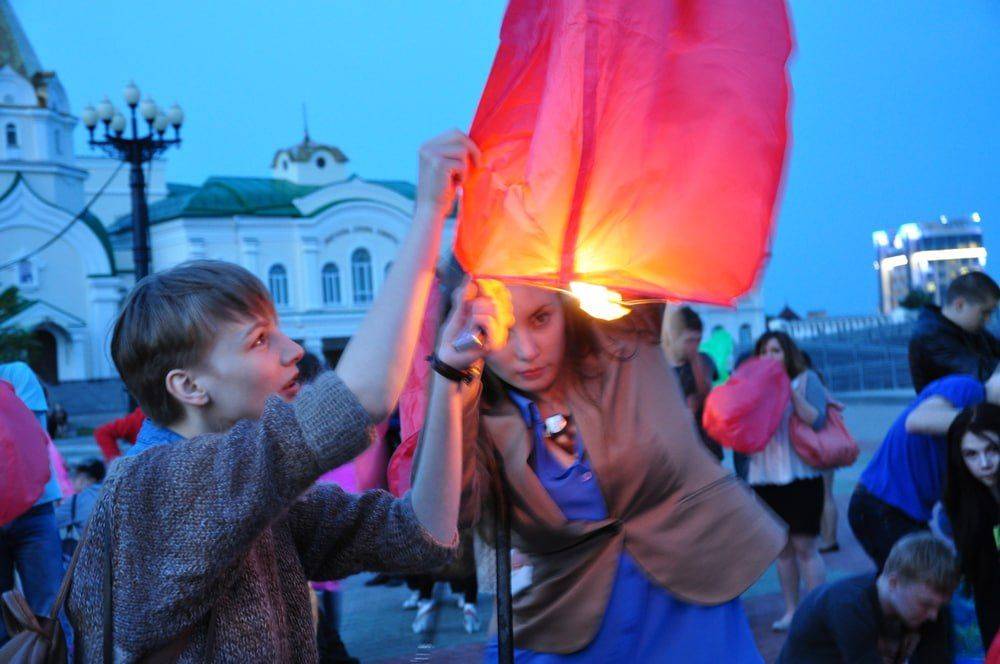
[896, 104]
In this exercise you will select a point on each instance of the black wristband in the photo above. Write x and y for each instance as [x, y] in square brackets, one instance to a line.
[448, 371]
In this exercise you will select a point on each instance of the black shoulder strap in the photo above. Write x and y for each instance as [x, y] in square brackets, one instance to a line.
[68, 576]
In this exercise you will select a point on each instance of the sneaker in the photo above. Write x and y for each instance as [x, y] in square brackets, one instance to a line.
[782, 624]
[411, 602]
[425, 616]
[470, 619]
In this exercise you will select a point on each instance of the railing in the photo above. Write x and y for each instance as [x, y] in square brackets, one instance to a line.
[856, 358]
[861, 353]
[851, 366]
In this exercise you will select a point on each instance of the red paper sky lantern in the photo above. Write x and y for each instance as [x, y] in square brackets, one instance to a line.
[632, 144]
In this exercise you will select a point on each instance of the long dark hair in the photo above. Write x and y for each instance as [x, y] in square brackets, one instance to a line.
[969, 504]
[794, 362]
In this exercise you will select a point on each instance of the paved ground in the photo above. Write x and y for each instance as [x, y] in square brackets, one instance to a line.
[377, 630]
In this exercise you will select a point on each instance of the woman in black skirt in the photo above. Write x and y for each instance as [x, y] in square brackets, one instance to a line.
[792, 488]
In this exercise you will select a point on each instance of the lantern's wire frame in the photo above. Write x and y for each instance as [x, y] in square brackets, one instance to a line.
[568, 293]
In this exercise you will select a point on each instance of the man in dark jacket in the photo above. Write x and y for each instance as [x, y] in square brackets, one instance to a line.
[953, 339]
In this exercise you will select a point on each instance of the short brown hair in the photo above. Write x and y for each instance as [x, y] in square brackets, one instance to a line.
[973, 287]
[924, 558]
[169, 320]
[685, 318]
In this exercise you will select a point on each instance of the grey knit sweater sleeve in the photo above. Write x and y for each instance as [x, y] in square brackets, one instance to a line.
[816, 396]
[183, 514]
[338, 534]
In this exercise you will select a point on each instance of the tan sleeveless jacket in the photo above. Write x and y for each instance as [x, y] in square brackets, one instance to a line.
[694, 528]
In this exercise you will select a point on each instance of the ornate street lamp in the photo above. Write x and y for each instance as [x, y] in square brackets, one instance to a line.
[137, 150]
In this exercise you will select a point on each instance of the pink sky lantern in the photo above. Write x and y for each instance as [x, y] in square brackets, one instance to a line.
[634, 145]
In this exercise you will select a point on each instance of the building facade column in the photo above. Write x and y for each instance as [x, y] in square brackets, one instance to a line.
[309, 284]
[250, 255]
[104, 295]
[73, 354]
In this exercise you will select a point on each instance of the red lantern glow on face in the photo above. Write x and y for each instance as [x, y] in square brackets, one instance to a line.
[646, 166]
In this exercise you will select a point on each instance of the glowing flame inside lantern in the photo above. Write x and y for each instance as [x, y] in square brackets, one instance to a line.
[598, 301]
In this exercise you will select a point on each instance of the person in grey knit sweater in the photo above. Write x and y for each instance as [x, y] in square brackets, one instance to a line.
[212, 525]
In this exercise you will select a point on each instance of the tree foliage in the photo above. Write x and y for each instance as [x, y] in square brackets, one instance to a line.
[16, 343]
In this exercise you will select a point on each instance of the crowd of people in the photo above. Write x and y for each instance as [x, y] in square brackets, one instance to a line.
[942, 451]
[584, 439]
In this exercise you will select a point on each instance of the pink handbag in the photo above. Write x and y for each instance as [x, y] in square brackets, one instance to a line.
[24, 461]
[830, 447]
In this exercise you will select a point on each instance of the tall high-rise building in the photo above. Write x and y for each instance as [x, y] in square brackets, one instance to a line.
[925, 256]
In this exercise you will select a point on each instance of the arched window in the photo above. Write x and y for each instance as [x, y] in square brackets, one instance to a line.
[361, 276]
[331, 284]
[746, 335]
[277, 283]
[11, 135]
[27, 275]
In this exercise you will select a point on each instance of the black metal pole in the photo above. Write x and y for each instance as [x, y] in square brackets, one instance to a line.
[505, 618]
[140, 213]
[140, 226]
[140, 217]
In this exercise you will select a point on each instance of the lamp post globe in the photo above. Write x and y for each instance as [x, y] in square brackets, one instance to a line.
[176, 116]
[89, 117]
[118, 123]
[161, 123]
[131, 94]
[148, 109]
[105, 110]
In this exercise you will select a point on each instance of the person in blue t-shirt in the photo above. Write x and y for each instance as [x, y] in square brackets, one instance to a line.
[905, 478]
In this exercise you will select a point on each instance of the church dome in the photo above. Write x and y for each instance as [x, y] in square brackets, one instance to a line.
[15, 90]
[23, 82]
[310, 163]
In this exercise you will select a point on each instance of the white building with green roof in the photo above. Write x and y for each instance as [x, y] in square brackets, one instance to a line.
[320, 237]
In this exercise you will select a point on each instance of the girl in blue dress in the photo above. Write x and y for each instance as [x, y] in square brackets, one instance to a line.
[639, 542]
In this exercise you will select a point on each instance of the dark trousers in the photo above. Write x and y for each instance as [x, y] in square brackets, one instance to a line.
[741, 464]
[30, 544]
[986, 595]
[424, 584]
[878, 526]
[331, 648]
